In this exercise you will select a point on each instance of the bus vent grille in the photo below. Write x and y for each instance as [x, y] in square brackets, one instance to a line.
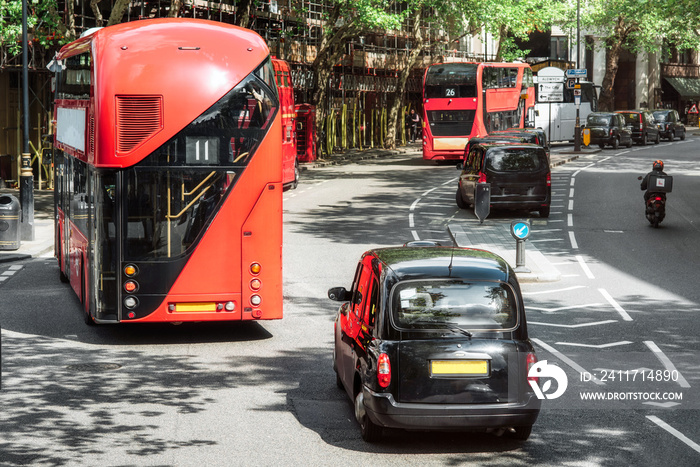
[91, 136]
[138, 118]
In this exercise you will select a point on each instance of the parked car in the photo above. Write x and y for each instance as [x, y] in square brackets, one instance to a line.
[669, 123]
[435, 338]
[643, 125]
[608, 128]
[519, 175]
[530, 135]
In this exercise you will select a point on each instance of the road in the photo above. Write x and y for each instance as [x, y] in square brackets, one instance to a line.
[264, 393]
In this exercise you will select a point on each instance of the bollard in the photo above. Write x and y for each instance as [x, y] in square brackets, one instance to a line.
[520, 230]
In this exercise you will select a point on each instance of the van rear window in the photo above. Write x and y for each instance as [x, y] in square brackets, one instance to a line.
[515, 160]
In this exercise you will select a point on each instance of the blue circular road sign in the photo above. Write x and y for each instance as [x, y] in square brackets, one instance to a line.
[520, 230]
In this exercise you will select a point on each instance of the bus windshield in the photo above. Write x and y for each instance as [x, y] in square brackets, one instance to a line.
[451, 80]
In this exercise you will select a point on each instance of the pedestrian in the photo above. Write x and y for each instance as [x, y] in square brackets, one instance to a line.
[415, 124]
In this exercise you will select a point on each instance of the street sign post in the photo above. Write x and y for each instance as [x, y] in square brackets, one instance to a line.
[482, 201]
[520, 230]
[576, 73]
[551, 92]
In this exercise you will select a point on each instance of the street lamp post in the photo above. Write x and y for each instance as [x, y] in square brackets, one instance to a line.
[26, 178]
[577, 131]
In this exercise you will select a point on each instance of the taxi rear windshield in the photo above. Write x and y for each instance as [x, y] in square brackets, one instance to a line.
[450, 304]
[515, 160]
[599, 120]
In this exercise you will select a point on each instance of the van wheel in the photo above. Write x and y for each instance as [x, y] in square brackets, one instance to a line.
[629, 143]
[370, 432]
[521, 433]
[643, 141]
[616, 143]
[461, 204]
[601, 145]
[672, 135]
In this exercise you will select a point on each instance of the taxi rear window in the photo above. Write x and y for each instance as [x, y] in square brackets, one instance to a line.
[446, 304]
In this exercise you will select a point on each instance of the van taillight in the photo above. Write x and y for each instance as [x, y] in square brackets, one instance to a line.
[482, 177]
[549, 178]
[383, 370]
[531, 360]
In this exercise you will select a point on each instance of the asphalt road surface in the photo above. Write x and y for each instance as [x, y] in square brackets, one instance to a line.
[264, 393]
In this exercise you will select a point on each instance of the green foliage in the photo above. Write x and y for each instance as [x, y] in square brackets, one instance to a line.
[43, 24]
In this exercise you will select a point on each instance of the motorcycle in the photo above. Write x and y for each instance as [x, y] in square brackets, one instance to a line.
[655, 207]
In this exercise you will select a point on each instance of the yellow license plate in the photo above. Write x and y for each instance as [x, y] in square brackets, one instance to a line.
[460, 367]
[195, 307]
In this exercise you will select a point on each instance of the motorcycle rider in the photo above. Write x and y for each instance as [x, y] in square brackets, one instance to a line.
[658, 170]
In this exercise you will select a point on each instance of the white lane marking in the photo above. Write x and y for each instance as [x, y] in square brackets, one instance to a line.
[571, 193]
[424, 194]
[687, 441]
[573, 180]
[572, 238]
[606, 158]
[540, 292]
[451, 181]
[585, 268]
[668, 364]
[615, 305]
[410, 220]
[582, 325]
[594, 346]
[570, 307]
[9, 273]
[16, 267]
[566, 360]
[571, 205]
[415, 203]
[570, 220]
[415, 235]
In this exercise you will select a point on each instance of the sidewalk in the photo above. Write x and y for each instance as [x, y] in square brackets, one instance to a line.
[492, 235]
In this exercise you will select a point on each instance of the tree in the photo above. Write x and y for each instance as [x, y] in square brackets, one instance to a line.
[344, 21]
[43, 21]
[633, 25]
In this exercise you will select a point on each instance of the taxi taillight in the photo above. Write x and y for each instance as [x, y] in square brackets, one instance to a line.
[383, 370]
[482, 177]
[531, 359]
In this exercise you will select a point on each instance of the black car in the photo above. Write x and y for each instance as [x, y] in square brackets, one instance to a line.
[519, 175]
[608, 128]
[435, 338]
[669, 123]
[643, 126]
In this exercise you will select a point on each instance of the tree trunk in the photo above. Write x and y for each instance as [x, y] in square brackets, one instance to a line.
[502, 35]
[175, 6]
[613, 45]
[96, 11]
[118, 10]
[404, 73]
[243, 12]
[330, 51]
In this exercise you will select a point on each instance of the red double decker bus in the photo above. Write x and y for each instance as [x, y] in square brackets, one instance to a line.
[285, 90]
[168, 173]
[466, 100]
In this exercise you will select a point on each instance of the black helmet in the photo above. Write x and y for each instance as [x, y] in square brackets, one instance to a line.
[658, 165]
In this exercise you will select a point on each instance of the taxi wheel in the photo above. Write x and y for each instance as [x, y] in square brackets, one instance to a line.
[461, 204]
[616, 143]
[370, 432]
[683, 136]
[521, 433]
[658, 139]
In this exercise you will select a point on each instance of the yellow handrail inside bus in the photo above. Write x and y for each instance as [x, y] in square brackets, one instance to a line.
[200, 184]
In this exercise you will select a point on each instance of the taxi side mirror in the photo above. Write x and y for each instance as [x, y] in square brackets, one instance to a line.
[339, 294]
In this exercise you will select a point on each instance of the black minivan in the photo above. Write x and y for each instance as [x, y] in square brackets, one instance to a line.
[519, 175]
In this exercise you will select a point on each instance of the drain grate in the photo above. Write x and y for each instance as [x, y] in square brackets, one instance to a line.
[93, 367]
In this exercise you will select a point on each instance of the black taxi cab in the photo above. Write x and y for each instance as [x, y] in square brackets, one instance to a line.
[435, 338]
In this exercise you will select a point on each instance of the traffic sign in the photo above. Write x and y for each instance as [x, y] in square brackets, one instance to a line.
[550, 92]
[576, 73]
[570, 83]
[520, 230]
[693, 109]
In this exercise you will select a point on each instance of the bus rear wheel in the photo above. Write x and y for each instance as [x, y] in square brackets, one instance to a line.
[461, 204]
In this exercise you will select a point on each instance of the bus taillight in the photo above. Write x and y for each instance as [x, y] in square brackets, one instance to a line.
[255, 284]
[255, 268]
[131, 286]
